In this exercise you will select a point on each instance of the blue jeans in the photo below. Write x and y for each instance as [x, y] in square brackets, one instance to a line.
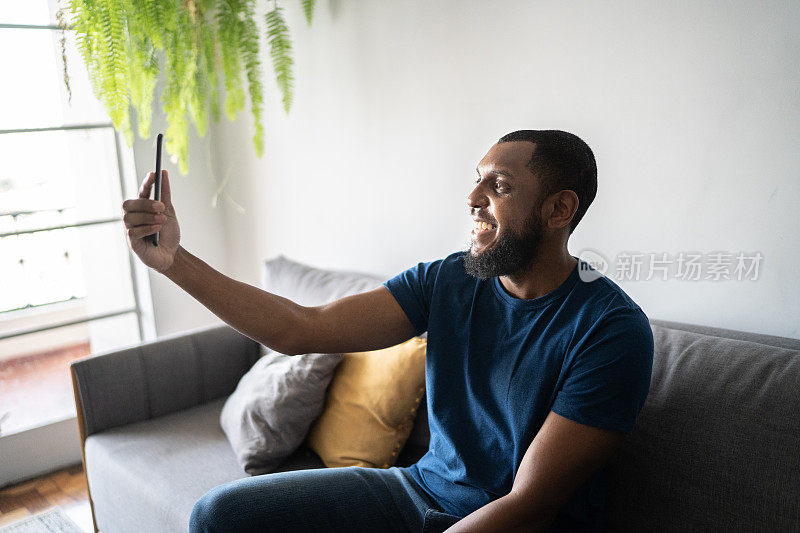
[342, 499]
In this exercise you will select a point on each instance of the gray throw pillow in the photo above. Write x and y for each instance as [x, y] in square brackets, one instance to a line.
[269, 414]
[272, 408]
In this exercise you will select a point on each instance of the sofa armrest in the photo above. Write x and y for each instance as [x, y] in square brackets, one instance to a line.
[160, 377]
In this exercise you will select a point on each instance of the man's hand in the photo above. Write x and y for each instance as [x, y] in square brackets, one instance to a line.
[144, 217]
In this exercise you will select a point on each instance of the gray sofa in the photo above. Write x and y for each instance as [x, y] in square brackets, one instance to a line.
[716, 447]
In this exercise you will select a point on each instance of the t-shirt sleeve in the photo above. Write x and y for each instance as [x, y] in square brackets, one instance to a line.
[413, 289]
[609, 376]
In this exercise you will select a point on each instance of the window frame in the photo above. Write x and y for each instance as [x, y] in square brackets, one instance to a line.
[145, 331]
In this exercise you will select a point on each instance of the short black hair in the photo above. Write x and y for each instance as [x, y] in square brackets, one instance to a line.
[562, 161]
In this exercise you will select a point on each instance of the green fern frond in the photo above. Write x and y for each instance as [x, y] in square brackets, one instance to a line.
[145, 103]
[308, 9]
[198, 95]
[229, 30]
[281, 51]
[197, 88]
[154, 25]
[104, 49]
[143, 83]
[142, 62]
[211, 65]
[87, 35]
[180, 68]
[114, 74]
[249, 48]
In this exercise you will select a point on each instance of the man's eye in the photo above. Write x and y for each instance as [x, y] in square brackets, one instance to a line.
[498, 186]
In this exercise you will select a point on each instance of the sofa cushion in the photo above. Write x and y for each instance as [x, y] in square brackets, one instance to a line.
[164, 465]
[715, 446]
[370, 406]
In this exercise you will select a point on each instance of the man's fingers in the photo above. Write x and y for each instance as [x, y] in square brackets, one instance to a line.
[143, 205]
[149, 181]
[144, 191]
[166, 193]
[141, 231]
[138, 218]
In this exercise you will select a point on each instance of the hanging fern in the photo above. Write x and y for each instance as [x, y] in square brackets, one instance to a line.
[102, 41]
[308, 9]
[280, 48]
[248, 45]
[228, 28]
[122, 41]
[210, 58]
[180, 67]
[142, 64]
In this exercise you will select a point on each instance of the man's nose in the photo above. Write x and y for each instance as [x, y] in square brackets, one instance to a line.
[477, 198]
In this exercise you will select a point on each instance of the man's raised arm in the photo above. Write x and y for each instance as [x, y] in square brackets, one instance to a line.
[368, 321]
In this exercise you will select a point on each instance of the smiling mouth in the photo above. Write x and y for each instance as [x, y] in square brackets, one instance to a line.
[483, 229]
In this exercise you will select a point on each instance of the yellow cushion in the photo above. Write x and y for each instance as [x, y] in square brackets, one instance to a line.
[370, 406]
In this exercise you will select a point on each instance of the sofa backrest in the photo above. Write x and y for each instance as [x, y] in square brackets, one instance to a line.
[119, 387]
[309, 286]
[717, 443]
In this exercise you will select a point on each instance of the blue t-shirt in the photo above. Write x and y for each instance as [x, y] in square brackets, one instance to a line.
[496, 365]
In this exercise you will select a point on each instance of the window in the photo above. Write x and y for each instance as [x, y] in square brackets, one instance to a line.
[69, 285]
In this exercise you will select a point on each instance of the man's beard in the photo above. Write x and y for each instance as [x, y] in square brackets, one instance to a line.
[508, 255]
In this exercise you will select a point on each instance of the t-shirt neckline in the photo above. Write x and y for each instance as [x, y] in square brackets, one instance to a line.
[541, 301]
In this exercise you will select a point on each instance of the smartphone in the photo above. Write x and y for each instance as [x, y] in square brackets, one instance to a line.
[157, 184]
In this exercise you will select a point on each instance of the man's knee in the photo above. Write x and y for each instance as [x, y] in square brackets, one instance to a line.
[212, 512]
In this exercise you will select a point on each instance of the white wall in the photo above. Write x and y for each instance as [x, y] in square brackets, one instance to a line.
[693, 112]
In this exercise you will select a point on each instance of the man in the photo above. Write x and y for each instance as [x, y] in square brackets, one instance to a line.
[533, 375]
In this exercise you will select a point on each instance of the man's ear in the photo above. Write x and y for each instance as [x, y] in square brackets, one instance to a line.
[562, 206]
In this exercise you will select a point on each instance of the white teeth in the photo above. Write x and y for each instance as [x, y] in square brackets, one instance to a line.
[483, 225]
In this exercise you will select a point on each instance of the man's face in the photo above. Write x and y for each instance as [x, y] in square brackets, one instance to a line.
[507, 196]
